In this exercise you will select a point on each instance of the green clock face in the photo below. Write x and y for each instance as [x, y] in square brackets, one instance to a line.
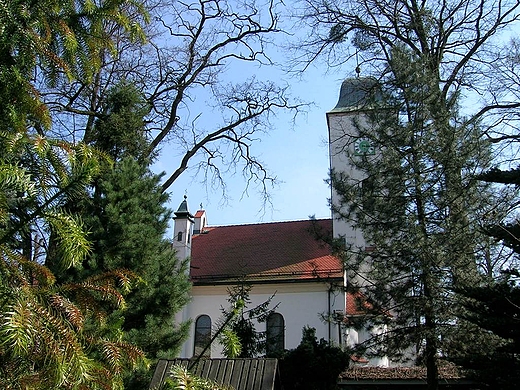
[363, 147]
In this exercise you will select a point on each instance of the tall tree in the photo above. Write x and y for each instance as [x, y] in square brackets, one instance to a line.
[210, 119]
[128, 222]
[493, 308]
[52, 335]
[127, 217]
[418, 202]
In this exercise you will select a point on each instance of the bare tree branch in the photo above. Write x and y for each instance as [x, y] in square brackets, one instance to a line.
[192, 44]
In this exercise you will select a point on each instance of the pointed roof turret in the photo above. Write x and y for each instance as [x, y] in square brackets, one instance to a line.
[182, 211]
[358, 92]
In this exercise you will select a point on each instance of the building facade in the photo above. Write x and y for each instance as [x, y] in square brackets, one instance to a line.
[287, 262]
[283, 262]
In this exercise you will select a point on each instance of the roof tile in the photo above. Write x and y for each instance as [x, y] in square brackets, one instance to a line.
[266, 251]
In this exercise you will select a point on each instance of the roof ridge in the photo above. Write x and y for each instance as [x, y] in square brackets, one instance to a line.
[269, 223]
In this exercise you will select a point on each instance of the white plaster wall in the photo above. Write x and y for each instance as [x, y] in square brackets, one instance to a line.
[343, 131]
[354, 337]
[183, 247]
[342, 135]
[301, 304]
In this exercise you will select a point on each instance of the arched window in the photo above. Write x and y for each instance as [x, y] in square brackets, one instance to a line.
[275, 335]
[179, 236]
[202, 336]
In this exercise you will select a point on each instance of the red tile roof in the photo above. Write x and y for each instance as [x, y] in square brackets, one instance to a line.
[355, 303]
[283, 251]
[446, 371]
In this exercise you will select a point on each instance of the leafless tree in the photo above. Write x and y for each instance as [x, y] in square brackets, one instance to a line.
[193, 49]
[449, 69]
[471, 46]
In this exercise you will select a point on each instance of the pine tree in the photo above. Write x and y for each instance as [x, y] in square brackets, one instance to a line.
[493, 310]
[506, 230]
[52, 334]
[417, 203]
[129, 222]
[127, 218]
[417, 200]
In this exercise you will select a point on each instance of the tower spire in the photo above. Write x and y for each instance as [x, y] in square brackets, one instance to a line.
[183, 230]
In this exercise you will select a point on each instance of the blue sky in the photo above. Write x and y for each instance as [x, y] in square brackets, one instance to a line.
[296, 154]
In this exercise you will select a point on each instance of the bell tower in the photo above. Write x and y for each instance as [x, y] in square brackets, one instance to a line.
[348, 125]
[183, 230]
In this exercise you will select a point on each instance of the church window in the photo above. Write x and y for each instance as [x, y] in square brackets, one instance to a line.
[202, 336]
[275, 334]
[179, 236]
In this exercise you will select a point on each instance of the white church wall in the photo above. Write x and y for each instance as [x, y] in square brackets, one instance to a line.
[343, 132]
[345, 124]
[300, 304]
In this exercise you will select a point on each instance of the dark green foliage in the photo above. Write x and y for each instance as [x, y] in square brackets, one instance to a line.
[239, 336]
[313, 365]
[54, 39]
[127, 218]
[121, 130]
[495, 175]
[494, 314]
[494, 308]
[506, 232]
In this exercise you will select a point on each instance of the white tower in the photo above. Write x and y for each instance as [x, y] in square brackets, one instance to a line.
[345, 122]
[349, 130]
[183, 231]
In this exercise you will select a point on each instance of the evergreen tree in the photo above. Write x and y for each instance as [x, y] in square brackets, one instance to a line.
[60, 38]
[417, 200]
[127, 217]
[313, 364]
[493, 310]
[416, 204]
[506, 230]
[128, 222]
[52, 335]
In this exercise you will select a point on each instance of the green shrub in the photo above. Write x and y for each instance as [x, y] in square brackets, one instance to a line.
[313, 365]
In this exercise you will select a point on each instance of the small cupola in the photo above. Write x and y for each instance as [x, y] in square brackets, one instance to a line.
[183, 230]
[201, 221]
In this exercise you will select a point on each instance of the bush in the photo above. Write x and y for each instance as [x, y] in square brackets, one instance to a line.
[312, 365]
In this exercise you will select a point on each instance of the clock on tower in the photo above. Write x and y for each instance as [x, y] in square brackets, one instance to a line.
[363, 147]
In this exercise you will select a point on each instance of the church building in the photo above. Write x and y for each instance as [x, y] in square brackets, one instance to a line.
[286, 262]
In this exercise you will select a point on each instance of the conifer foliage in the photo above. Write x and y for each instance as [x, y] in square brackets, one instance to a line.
[53, 334]
[494, 310]
[313, 364]
[417, 199]
[127, 217]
